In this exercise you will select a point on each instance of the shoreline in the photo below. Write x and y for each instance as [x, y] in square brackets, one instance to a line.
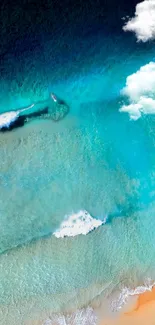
[140, 310]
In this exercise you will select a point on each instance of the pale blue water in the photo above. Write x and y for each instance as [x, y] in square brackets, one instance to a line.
[94, 159]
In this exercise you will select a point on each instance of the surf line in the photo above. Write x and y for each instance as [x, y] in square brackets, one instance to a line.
[8, 118]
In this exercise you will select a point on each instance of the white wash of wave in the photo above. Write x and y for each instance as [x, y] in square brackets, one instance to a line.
[127, 293]
[81, 317]
[143, 24]
[80, 223]
[6, 119]
[140, 90]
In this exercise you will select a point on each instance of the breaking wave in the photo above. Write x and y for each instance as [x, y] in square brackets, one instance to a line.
[82, 317]
[80, 223]
[127, 293]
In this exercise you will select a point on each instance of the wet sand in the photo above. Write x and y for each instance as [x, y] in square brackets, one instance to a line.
[141, 311]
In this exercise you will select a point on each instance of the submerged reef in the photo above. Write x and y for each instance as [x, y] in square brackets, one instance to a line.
[58, 108]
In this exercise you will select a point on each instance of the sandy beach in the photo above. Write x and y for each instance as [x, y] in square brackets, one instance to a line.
[141, 312]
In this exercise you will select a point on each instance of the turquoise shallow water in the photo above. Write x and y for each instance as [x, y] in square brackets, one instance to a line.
[94, 159]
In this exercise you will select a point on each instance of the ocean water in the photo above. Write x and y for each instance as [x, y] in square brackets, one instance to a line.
[94, 159]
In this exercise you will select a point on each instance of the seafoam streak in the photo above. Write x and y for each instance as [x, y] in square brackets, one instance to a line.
[127, 293]
[80, 223]
[80, 317]
[140, 90]
[6, 119]
[143, 24]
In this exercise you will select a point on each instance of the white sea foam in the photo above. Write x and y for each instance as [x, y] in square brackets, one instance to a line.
[80, 317]
[143, 24]
[76, 224]
[140, 90]
[127, 293]
[6, 119]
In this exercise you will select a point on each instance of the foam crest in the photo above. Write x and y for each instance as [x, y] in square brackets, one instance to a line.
[143, 24]
[80, 223]
[6, 119]
[80, 317]
[127, 293]
[140, 90]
